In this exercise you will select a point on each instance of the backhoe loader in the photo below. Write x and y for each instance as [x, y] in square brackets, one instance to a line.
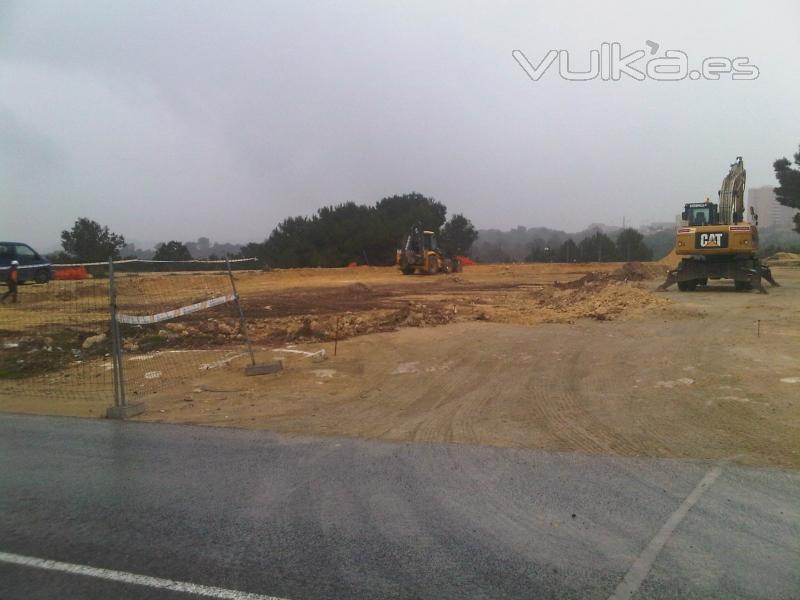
[419, 252]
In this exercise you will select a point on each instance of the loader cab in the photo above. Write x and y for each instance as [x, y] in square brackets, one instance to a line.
[429, 240]
[697, 214]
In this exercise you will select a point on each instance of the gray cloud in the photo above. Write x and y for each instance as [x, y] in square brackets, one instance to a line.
[179, 119]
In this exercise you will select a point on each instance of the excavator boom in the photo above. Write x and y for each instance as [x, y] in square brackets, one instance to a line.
[731, 194]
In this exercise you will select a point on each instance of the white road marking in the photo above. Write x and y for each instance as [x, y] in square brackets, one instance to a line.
[642, 565]
[132, 578]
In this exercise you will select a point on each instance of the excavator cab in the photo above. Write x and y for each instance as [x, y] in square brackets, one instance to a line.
[697, 214]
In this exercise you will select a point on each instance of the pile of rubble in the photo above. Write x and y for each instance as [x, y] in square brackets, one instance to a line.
[784, 259]
[604, 301]
[631, 271]
[349, 324]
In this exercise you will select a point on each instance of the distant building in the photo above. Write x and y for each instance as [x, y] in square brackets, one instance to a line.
[771, 213]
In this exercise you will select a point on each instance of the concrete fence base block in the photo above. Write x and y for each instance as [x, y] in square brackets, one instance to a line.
[319, 356]
[264, 368]
[124, 412]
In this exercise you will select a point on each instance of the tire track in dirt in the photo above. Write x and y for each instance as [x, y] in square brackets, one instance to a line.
[557, 400]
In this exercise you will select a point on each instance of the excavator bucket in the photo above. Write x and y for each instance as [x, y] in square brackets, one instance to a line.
[672, 278]
[767, 274]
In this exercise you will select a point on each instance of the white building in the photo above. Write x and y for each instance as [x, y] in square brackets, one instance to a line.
[771, 213]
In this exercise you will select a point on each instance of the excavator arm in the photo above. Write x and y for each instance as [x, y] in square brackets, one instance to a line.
[731, 194]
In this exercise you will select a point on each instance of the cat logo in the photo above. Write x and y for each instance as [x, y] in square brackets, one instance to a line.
[712, 240]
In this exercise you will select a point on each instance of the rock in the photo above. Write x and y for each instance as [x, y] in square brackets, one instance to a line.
[319, 356]
[93, 340]
[175, 327]
[301, 329]
[225, 328]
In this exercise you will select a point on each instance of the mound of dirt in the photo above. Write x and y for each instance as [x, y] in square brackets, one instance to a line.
[632, 271]
[423, 315]
[358, 289]
[605, 301]
[671, 260]
[784, 259]
[327, 327]
[592, 278]
[637, 271]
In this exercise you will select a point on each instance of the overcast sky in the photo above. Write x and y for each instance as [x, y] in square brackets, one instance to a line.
[173, 120]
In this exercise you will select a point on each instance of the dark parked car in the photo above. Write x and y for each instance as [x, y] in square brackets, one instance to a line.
[32, 267]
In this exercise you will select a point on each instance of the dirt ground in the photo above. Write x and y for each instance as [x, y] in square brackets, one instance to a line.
[564, 357]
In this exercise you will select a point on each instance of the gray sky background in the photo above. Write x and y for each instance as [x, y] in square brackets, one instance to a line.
[172, 120]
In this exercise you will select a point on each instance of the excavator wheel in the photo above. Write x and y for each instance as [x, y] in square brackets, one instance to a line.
[689, 285]
[742, 286]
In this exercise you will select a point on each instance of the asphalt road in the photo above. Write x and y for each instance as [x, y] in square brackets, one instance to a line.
[305, 519]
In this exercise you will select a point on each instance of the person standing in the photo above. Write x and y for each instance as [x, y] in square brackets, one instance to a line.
[12, 283]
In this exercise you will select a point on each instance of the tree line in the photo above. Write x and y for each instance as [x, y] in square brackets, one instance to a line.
[334, 236]
[788, 190]
[338, 235]
[366, 234]
[629, 245]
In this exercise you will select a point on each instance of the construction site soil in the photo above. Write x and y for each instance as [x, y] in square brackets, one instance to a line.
[568, 357]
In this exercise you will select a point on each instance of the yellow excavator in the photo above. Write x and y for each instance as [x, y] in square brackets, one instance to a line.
[419, 252]
[717, 243]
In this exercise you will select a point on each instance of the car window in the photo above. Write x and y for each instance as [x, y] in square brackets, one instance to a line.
[25, 252]
[6, 251]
